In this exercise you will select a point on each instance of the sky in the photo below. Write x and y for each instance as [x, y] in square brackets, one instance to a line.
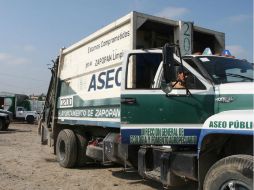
[32, 32]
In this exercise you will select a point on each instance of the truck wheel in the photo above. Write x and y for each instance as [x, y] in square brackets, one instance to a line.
[66, 148]
[30, 119]
[233, 172]
[82, 159]
[1, 124]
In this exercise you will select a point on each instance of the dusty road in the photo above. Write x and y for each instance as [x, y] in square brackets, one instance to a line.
[25, 164]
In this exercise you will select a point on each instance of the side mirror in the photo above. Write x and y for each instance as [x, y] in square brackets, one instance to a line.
[166, 87]
[168, 68]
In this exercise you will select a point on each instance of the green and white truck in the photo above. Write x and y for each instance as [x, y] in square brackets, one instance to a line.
[20, 106]
[112, 98]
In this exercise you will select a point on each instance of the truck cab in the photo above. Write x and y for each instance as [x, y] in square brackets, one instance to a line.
[29, 116]
[208, 120]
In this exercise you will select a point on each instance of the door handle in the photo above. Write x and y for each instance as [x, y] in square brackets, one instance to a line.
[128, 100]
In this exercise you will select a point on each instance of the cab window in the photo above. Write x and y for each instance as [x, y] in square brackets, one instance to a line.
[20, 109]
[184, 78]
[141, 70]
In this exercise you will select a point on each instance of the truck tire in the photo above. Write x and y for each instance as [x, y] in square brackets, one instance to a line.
[233, 171]
[30, 119]
[66, 148]
[82, 142]
[2, 124]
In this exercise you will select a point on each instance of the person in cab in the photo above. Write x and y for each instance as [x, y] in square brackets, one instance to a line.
[180, 81]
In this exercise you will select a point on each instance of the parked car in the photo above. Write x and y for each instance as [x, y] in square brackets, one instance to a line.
[5, 119]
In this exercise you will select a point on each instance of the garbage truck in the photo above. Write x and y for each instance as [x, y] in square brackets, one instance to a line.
[114, 97]
[19, 105]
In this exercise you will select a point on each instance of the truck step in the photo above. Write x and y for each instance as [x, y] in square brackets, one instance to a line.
[167, 166]
[154, 174]
[95, 152]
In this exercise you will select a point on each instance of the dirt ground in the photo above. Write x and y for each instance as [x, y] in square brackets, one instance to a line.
[25, 164]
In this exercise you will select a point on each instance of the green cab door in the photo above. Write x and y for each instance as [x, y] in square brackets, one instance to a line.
[149, 116]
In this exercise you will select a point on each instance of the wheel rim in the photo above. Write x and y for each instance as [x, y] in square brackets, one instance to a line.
[62, 150]
[234, 185]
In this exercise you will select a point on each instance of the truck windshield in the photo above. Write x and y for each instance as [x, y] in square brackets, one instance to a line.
[227, 70]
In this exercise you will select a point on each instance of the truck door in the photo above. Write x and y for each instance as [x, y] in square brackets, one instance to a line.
[149, 116]
[20, 112]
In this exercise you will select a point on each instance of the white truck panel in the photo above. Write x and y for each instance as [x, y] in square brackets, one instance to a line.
[81, 68]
